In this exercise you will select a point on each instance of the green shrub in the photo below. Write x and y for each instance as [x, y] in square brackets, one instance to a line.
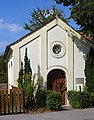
[92, 99]
[29, 89]
[54, 100]
[73, 97]
[84, 100]
[29, 102]
[79, 99]
[40, 98]
[35, 93]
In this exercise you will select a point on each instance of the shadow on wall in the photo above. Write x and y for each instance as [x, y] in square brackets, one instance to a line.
[82, 44]
[40, 78]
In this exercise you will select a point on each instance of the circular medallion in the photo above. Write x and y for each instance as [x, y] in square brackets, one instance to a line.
[57, 49]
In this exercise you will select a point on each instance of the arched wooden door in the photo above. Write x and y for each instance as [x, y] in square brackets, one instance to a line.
[56, 81]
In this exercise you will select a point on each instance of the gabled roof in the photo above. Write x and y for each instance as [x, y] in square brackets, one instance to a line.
[8, 47]
[20, 39]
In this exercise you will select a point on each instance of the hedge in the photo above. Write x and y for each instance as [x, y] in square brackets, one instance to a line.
[79, 99]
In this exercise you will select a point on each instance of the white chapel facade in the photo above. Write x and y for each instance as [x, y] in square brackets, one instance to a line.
[58, 50]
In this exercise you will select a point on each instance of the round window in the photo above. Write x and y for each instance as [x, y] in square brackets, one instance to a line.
[57, 49]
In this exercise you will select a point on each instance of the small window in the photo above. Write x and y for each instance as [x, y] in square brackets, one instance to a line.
[76, 87]
[11, 63]
[79, 88]
[57, 49]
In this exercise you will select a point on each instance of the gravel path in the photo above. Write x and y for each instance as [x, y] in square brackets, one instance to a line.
[85, 114]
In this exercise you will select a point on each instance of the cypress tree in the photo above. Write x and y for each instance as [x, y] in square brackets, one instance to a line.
[89, 70]
[20, 79]
[27, 68]
[25, 73]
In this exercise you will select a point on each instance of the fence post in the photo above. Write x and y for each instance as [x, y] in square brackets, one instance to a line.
[2, 101]
[22, 101]
[14, 101]
[18, 100]
[10, 101]
[6, 101]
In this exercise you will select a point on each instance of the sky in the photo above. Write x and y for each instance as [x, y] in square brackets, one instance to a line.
[13, 15]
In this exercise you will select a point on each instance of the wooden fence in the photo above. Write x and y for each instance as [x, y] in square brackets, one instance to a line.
[11, 101]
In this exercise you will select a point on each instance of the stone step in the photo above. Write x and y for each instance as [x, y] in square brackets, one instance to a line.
[66, 107]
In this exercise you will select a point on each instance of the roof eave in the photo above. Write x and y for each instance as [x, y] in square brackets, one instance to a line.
[7, 51]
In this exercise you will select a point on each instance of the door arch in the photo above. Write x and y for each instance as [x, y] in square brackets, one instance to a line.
[56, 81]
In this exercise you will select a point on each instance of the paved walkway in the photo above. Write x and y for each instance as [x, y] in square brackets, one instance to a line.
[85, 114]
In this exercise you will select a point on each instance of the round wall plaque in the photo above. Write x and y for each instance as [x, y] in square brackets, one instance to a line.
[57, 49]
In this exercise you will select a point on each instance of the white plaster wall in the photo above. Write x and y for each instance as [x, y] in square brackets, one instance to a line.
[80, 51]
[70, 60]
[10, 73]
[33, 51]
[57, 34]
[39, 44]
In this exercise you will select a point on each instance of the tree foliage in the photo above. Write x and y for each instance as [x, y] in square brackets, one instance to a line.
[34, 92]
[89, 70]
[2, 64]
[26, 72]
[54, 100]
[82, 11]
[41, 17]
[27, 68]
[20, 79]
[80, 100]
[2, 69]
[25, 81]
